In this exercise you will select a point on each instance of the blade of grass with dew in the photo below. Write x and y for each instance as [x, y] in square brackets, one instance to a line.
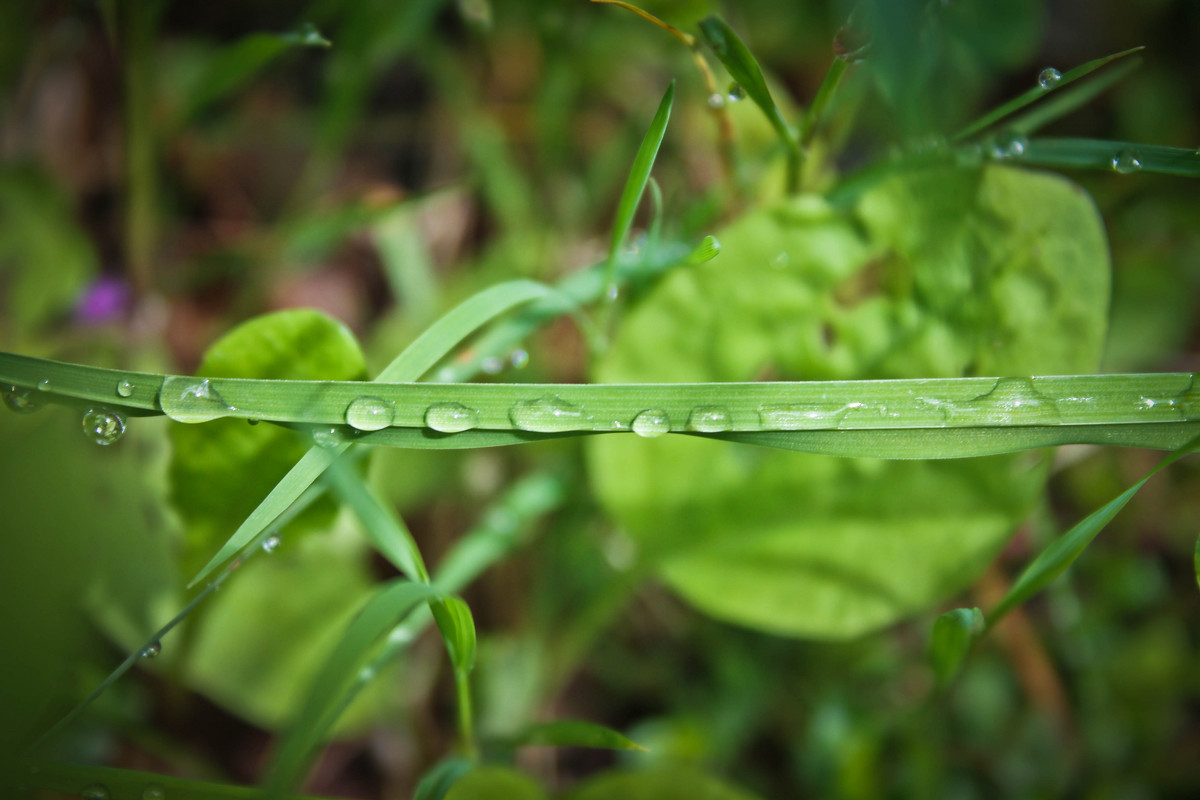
[72, 780]
[392, 603]
[953, 635]
[1062, 103]
[1122, 157]
[1063, 551]
[743, 68]
[383, 526]
[418, 358]
[1037, 92]
[574, 733]
[635, 184]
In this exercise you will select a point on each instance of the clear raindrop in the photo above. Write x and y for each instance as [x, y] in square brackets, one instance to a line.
[152, 650]
[708, 419]
[369, 413]
[21, 400]
[1127, 161]
[451, 417]
[548, 414]
[125, 388]
[1049, 78]
[651, 423]
[271, 543]
[103, 426]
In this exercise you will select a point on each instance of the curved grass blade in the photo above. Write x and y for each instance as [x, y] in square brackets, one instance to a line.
[441, 777]
[635, 184]
[744, 69]
[384, 611]
[1037, 92]
[417, 359]
[574, 733]
[1123, 157]
[953, 634]
[72, 780]
[1062, 103]
[1063, 551]
[457, 626]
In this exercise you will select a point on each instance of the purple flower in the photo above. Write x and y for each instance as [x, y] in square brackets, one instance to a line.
[107, 299]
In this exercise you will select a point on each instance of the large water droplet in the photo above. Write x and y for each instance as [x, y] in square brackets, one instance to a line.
[548, 414]
[152, 650]
[97, 791]
[21, 400]
[1049, 78]
[716, 100]
[369, 413]
[451, 417]
[1011, 401]
[125, 388]
[327, 438]
[651, 423]
[519, 359]
[102, 425]
[192, 400]
[271, 543]
[736, 92]
[1127, 161]
[708, 419]
[154, 792]
[1009, 144]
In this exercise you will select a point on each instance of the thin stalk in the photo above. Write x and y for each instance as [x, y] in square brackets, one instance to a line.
[812, 118]
[466, 716]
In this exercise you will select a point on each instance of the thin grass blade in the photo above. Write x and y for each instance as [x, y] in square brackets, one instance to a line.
[574, 733]
[384, 611]
[1062, 552]
[635, 184]
[1037, 92]
[953, 634]
[744, 68]
[816, 111]
[1122, 157]
[1062, 103]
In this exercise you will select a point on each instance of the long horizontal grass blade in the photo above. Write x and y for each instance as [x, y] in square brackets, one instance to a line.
[1037, 92]
[635, 184]
[1123, 157]
[1063, 551]
[383, 611]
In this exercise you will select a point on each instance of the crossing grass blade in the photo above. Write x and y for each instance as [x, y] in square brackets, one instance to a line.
[383, 612]
[1063, 551]
[1037, 92]
[1062, 103]
[1124, 157]
[635, 184]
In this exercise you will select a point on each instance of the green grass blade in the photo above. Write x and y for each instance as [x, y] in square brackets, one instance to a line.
[457, 626]
[72, 780]
[383, 526]
[812, 118]
[574, 733]
[383, 612]
[744, 68]
[1063, 551]
[1037, 92]
[635, 184]
[1062, 103]
[953, 634]
[435, 783]
[1123, 157]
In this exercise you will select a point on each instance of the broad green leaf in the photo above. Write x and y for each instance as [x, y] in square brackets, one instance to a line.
[1062, 552]
[439, 780]
[953, 634]
[221, 469]
[457, 626]
[574, 733]
[386, 608]
[635, 184]
[496, 783]
[944, 273]
[668, 783]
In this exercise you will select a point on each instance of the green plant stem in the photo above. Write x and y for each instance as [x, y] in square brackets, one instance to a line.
[812, 119]
[466, 717]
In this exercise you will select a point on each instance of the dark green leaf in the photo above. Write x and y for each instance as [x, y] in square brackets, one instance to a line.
[744, 69]
[574, 733]
[953, 634]
[457, 626]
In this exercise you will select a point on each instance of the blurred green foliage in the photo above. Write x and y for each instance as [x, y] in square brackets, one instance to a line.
[173, 170]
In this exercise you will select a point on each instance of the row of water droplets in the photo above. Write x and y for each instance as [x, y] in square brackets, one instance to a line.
[718, 100]
[100, 424]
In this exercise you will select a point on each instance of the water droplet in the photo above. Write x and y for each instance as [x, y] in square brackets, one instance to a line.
[651, 423]
[154, 792]
[491, 365]
[612, 293]
[271, 543]
[708, 419]
[1010, 401]
[328, 438]
[716, 100]
[519, 359]
[800, 416]
[736, 92]
[369, 413]
[97, 791]
[102, 425]
[44, 385]
[451, 417]
[1008, 144]
[21, 400]
[251, 421]
[548, 414]
[125, 388]
[780, 260]
[1127, 161]
[152, 650]
[190, 400]
[367, 674]
[1049, 78]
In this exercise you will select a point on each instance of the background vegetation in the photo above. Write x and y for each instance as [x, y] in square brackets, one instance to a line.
[171, 170]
